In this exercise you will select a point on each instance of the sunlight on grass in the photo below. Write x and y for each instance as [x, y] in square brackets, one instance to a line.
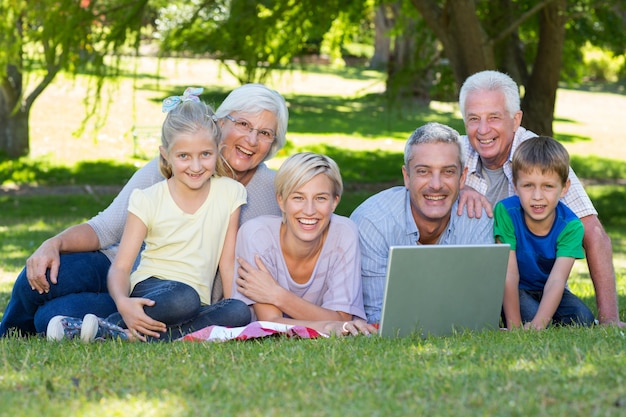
[152, 405]
[561, 371]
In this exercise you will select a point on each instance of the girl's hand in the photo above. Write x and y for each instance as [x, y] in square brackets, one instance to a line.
[138, 322]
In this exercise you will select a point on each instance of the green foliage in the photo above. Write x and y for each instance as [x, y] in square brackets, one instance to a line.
[275, 31]
[601, 65]
[593, 167]
[39, 39]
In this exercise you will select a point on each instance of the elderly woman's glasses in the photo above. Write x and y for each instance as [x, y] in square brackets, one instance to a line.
[243, 126]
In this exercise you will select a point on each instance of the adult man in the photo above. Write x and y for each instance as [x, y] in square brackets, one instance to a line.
[490, 106]
[420, 213]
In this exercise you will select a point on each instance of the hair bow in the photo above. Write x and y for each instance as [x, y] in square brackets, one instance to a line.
[190, 94]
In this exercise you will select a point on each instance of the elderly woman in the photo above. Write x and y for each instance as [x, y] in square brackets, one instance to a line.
[303, 268]
[67, 274]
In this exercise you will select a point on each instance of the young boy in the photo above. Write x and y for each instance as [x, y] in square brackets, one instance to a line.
[545, 238]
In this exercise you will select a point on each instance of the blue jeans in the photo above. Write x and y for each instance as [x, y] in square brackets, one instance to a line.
[571, 310]
[81, 288]
[178, 306]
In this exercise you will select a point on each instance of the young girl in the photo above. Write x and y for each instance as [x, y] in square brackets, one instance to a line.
[189, 225]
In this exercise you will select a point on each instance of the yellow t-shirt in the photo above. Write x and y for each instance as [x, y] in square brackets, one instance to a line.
[181, 246]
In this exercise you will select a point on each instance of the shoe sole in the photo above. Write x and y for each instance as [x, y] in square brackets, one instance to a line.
[89, 329]
[54, 331]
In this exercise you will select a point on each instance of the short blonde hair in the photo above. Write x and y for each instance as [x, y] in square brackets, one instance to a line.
[300, 168]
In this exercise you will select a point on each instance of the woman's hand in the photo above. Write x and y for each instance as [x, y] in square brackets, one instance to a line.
[257, 283]
[350, 328]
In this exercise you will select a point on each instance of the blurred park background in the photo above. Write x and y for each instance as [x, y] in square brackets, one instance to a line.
[82, 83]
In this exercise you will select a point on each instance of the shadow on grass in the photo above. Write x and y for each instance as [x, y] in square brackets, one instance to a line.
[41, 172]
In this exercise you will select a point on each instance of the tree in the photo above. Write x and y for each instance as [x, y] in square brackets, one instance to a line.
[525, 38]
[415, 67]
[250, 37]
[41, 38]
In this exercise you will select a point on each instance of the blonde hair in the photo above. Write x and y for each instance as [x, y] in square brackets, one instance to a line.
[186, 118]
[543, 153]
[300, 168]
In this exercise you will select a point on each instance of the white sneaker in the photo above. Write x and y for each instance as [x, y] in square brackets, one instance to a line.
[63, 327]
[95, 328]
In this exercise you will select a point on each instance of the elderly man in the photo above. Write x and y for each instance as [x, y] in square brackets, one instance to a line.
[420, 213]
[490, 106]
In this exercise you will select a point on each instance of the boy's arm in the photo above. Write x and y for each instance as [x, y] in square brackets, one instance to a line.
[510, 304]
[552, 292]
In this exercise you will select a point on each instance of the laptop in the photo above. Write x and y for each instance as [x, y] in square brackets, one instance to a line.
[438, 290]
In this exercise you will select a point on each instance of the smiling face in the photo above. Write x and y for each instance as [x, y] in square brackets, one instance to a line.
[539, 193]
[489, 126]
[307, 210]
[192, 158]
[434, 178]
[242, 149]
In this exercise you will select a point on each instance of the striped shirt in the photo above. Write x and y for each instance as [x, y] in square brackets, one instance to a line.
[384, 220]
[576, 198]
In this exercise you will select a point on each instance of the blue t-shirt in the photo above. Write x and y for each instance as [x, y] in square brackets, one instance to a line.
[536, 254]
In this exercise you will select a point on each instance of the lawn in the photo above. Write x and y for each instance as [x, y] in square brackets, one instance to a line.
[566, 371]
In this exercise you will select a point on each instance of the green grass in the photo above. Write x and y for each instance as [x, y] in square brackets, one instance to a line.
[562, 371]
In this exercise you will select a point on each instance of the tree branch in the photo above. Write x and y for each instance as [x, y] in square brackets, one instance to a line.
[525, 16]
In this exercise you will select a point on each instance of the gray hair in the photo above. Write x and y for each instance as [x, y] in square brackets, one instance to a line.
[254, 99]
[434, 132]
[491, 81]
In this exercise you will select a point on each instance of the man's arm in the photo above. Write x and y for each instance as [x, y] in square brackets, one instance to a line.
[599, 256]
[510, 303]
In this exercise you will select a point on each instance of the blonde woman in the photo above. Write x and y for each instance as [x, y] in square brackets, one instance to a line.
[303, 268]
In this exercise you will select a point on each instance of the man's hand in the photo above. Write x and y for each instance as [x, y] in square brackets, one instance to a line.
[475, 203]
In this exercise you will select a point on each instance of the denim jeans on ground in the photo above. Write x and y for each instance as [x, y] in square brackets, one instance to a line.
[81, 288]
[571, 309]
[178, 306]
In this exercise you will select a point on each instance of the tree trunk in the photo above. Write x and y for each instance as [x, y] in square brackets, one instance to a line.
[540, 97]
[13, 125]
[14, 134]
[459, 29]
[382, 43]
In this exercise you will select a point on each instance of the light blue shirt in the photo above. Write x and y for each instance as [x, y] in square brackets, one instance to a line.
[385, 220]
